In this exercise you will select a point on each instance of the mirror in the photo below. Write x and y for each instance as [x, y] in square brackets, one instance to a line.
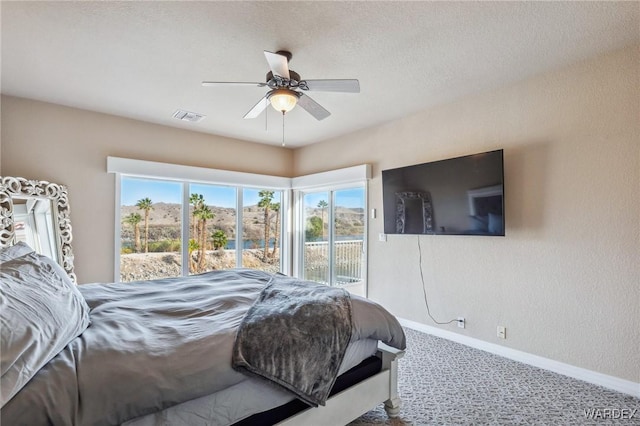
[414, 213]
[37, 212]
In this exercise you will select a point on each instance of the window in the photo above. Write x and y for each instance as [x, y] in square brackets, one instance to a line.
[262, 229]
[151, 229]
[152, 213]
[174, 220]
[212, 226]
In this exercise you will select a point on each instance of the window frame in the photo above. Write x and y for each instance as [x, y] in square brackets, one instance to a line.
[290, 234]
[299, 217]
[330, 182]
[186, 175]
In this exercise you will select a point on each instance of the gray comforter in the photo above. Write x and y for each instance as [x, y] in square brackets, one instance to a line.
[155, 344]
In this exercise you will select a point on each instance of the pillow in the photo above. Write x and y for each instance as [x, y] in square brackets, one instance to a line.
[11, 252]
[495, 224]
[41, 311]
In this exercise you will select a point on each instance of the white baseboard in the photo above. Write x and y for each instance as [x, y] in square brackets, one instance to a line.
[609, 382]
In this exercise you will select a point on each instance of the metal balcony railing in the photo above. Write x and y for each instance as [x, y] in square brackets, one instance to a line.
[348, 263]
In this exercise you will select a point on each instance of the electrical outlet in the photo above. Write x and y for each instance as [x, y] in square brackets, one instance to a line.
[382, 237]
[502, 332]
[461, 322]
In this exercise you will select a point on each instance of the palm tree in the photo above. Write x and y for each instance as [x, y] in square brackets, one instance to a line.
[134, 220]
[276, 208]
[265, 202]
[197, 200]
[203, 214]
[146, 205]
[323, 205]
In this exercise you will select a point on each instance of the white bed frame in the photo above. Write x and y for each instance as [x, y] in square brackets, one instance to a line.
[356, 400]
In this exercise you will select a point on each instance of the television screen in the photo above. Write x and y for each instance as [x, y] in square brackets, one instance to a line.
[457, 196]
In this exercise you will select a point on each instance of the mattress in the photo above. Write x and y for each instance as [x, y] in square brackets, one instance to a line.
[243, 399]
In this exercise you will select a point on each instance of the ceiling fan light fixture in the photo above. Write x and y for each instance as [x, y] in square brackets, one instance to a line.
[283, 100]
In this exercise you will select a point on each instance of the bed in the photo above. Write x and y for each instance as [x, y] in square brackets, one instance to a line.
[179, 351]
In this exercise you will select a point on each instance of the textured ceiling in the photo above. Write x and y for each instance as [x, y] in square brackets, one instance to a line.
[144, 60]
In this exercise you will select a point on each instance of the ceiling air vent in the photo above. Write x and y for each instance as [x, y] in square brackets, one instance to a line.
[193, 117]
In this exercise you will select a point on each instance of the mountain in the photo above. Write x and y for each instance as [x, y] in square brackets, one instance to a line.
[165, 220]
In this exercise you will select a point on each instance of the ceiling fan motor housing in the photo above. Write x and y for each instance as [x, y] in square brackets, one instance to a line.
[278, 81]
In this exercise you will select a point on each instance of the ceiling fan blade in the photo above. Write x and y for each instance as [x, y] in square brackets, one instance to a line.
[346, 86]
[312, 107]
[232, 83]
[257, 108]
[279, 64]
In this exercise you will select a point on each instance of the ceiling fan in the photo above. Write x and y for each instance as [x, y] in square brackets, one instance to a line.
[287, 88]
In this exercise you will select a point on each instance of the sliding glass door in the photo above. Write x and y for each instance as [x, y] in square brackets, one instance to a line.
[348, 237]
[315, 247]
[333, 242]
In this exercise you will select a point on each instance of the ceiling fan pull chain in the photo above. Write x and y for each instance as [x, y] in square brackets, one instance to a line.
[282, 128]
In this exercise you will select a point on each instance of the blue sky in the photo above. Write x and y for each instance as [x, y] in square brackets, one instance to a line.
[133, 190]
[344, 198]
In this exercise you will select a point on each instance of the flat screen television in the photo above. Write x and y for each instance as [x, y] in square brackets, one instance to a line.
[457, 196]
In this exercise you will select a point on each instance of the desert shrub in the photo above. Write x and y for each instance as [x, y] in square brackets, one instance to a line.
[219, 239]
[164, 232]
[164, 246]
[170, 259]
[313, 230]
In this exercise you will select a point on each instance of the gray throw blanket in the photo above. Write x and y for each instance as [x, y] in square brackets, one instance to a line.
[296, 335]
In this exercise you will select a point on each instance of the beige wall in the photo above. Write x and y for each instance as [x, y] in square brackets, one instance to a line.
[565, 280]
[70, 146]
